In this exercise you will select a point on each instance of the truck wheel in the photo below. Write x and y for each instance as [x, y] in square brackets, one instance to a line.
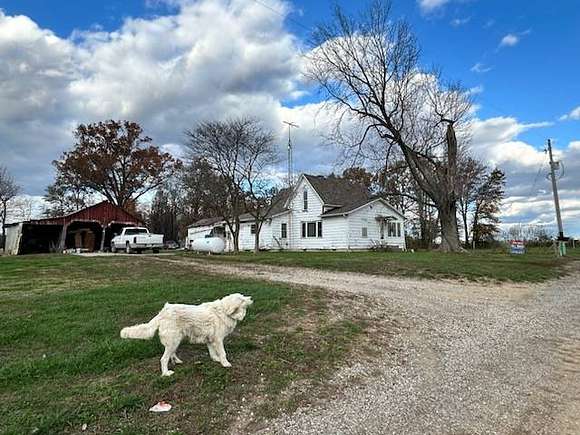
[128, 248]
[113, 249]
[156, 251]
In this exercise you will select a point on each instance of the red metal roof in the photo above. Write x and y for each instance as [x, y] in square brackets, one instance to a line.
[103, 212]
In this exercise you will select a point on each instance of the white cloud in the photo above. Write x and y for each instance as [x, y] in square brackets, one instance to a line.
[167, 73]
[529, 195]
[429, 6]
[513, 39]
[480, 68]
[475, 90]
[457, 22]
[489, 23]
[509, 40]
[573, 115]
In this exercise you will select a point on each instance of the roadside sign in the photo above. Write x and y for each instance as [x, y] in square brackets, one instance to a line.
[517, 247]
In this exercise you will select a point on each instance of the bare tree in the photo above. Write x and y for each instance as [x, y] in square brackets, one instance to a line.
[239, 151]
[23, 208]
[369, 69]
[66, 196]
[203, 191]
[260, 155]
[8, 191]
[470, 177]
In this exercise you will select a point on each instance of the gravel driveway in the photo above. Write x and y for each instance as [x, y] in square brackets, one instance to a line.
[477, 358]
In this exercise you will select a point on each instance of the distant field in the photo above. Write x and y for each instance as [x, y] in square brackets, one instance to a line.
[62, 363]
[538, 265]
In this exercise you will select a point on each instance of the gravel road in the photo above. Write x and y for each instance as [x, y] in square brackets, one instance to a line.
[477, 359]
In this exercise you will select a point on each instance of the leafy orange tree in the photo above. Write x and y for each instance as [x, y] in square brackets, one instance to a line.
[116, 160]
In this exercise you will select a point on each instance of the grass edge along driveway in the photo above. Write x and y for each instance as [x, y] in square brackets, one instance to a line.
[482, 265]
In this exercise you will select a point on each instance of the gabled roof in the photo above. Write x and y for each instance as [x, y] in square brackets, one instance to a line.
[342, 194]
[355, 206]
[337, 191]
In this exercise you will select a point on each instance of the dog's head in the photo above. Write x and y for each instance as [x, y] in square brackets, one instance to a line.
[235, 305]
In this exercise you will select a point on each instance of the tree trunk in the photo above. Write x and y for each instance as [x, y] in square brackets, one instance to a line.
[4, 210]
[236, 240]
[257, 237]
[439, 184]
[449, 231]
[236, 235]
[465, 228]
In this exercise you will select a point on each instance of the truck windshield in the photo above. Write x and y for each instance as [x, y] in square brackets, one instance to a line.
[133, 231]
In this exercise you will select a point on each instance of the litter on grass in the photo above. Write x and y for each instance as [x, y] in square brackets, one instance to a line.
[160, 407]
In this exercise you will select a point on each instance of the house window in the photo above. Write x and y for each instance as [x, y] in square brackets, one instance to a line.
[283, 230]
[253, 229]
[312, 229]
[364, 232]
[305, 199]
[392, 229]
[382, 230]
[398, 229]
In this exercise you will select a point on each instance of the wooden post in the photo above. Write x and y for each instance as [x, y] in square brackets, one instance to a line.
[62, 241]
[103, 232]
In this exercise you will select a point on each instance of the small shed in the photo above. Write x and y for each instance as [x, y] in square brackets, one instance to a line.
[89, 229]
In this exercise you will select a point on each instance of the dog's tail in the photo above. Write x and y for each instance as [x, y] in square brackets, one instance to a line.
[144, 331]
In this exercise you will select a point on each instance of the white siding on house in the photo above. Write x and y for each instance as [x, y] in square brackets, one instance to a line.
[247, 239]
[276, 231]
[334, 233]
[300, 215]
[338, 232]
[365, 217]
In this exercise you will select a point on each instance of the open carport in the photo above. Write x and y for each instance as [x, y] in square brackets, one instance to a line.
[90, 229]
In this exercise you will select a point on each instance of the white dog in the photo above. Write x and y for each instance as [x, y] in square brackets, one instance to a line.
[207, 323]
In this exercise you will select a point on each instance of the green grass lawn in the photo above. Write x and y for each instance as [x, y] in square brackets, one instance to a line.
[537, 265]
[62, 363]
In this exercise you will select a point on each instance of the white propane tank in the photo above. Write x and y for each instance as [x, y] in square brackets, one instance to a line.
[215, 245]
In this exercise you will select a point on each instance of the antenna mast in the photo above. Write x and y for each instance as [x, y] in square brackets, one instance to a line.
[290, 162]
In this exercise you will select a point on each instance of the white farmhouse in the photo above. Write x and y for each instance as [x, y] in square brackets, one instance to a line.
[319, 213]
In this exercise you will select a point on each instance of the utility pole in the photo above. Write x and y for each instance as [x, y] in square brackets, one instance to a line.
[290, 162]
[554, 166]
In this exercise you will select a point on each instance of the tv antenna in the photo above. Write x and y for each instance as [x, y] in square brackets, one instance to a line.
[290, 163]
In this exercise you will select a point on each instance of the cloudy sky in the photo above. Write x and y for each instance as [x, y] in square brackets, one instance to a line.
[170, 63]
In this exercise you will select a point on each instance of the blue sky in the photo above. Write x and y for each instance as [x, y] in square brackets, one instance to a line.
[526, 85]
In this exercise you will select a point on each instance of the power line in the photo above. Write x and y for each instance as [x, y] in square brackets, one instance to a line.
[537, 175]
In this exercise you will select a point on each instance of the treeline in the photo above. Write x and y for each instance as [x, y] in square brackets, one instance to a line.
[226, 172]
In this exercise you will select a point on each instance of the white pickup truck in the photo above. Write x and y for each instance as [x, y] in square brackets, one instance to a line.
[136, 239]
